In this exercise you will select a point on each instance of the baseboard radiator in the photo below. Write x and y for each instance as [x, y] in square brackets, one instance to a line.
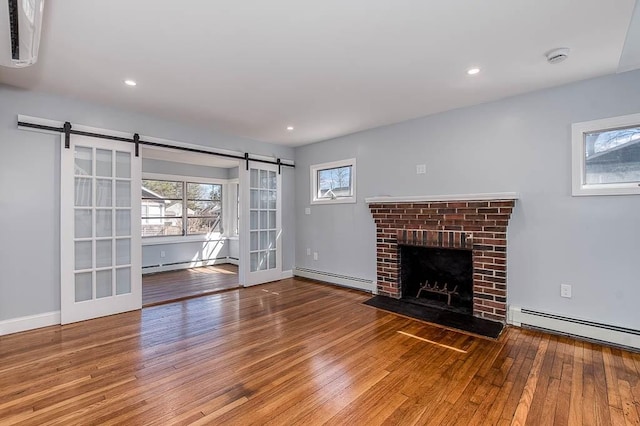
[605, 333]
[343, 280]
[150, 269]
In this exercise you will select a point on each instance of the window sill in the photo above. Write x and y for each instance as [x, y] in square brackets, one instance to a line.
[343, 200]
[606, 189]
[154, 241]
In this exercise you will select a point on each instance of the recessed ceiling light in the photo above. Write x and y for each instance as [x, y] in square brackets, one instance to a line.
[289, 128]
[130, 83]
[473, 71]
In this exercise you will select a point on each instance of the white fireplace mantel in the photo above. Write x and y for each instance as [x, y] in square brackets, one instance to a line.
[446, 197]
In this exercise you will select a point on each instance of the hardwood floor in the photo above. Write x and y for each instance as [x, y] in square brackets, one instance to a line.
[170, 286]
[297, 352]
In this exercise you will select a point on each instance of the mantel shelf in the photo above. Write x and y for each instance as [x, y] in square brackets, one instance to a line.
[444, 197]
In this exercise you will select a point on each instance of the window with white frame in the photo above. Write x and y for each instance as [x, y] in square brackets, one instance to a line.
[606, 156]
[172, 207]
[334, 182]
[204, 208]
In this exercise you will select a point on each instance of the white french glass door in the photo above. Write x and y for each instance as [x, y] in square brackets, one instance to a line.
[101, 272]
[262, 253]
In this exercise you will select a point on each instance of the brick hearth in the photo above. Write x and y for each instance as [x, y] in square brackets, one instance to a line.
[477, 225]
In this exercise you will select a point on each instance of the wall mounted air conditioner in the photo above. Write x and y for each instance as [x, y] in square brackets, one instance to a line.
[20, 25]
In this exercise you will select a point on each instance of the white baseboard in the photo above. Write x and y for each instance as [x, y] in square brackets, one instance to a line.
[615, 335]
[287, 274]
[343, 280]
[187, 265]
[30, 322]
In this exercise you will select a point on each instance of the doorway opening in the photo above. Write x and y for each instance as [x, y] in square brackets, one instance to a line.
[190, 225]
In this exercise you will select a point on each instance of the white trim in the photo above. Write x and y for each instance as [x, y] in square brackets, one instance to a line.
[84, 128]
[341, 200]
[576, 327]
[230, 209]
[313, 179]
[578, 186]
[342, 280]
[179, 239]
[287, 274]
[446, 197]
[29, 322]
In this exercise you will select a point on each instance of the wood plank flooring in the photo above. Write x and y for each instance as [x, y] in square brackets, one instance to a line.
[298, 352]
[170, 286]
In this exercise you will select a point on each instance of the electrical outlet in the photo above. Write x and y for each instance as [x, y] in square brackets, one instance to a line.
[162, 253]
[308, 252]
[421, 169]
[565, 290]
[315, 255]
[307, 210]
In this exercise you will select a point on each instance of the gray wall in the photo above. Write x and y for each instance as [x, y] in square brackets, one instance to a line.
[182, 169]
[30, 188]
[521, 144]
[183, 253]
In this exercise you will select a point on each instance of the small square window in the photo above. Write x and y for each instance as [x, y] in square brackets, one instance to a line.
[334, 182]
[606, 156]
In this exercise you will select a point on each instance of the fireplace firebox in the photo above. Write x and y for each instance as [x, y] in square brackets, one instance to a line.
[437, 277]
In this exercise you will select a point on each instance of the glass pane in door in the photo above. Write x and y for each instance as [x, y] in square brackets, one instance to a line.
[83, 287]
[103, 162]
[123, 280]
[102, 247]
[104, 284]
[83, 223]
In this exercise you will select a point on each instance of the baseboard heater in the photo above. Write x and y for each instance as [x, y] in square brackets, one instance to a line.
[604, 333]
[172, 266]
[343, 280]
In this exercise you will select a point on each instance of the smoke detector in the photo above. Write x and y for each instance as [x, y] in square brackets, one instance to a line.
[556, 56]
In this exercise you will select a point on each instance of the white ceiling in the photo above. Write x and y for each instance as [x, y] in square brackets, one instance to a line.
[327, 67]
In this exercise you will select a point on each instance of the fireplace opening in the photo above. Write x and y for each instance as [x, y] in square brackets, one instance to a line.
[437, 277]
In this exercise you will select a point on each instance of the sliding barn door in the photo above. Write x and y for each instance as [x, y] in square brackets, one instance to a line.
[100, 249]
[262, 245]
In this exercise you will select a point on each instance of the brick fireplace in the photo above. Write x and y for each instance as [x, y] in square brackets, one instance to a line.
[479, 225]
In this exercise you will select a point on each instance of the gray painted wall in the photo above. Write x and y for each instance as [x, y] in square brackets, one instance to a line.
[521, 144]
[30, 181]
[233, 245]
[183, 169]
[183, 252]
[288, 218]
[233, 173]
